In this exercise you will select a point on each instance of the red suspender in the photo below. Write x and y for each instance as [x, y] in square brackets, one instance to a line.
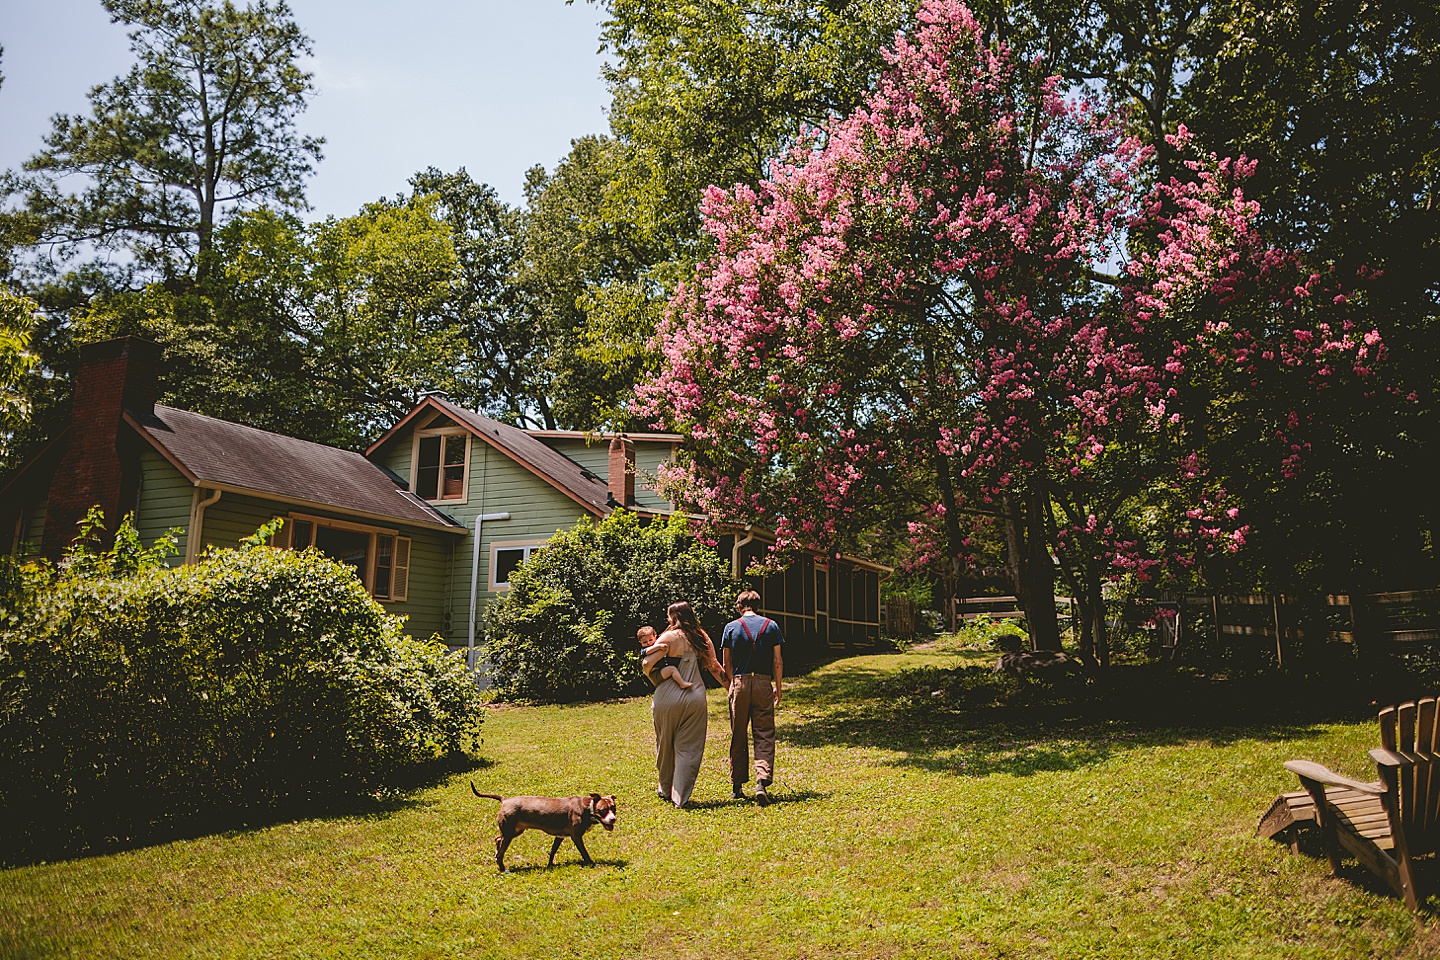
[754, 644]
[750, 636]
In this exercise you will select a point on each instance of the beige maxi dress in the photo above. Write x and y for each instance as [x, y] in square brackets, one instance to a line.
[680, 730]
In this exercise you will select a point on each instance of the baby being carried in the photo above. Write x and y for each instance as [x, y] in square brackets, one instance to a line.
[655, 653]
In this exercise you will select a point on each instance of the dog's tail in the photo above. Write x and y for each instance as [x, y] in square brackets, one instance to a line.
[483, 796]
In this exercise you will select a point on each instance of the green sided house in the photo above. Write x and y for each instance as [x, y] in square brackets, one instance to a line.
[434, 516]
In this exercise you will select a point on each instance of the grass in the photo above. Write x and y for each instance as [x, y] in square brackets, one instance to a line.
[922, 811]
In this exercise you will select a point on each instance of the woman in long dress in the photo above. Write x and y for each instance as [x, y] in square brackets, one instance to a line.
[680, 713]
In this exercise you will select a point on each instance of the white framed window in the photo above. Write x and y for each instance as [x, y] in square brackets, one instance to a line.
[380, 557]
[505, 557]
[440, 471]
[822, 588]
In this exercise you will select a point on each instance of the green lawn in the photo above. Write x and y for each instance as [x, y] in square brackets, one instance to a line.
[911, 822]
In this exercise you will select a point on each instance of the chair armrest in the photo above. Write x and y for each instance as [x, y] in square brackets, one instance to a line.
[1389, 758]
[1306, 770]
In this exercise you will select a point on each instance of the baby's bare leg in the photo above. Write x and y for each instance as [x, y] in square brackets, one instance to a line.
[673, 673]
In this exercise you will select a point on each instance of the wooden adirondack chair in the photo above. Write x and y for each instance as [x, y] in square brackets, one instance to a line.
[1385, 825]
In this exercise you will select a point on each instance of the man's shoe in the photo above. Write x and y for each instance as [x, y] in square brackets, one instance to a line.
[763, 784]
[761, 797]
[737, 794]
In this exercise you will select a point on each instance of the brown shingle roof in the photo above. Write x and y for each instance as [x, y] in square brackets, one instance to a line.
[597, 436]
[217, 452]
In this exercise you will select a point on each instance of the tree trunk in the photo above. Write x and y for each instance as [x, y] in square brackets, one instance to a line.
[1100, 633]
[1083, 618]
[953, 534]
[1030, 567]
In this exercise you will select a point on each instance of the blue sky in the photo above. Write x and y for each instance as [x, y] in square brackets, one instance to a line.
[496, 86]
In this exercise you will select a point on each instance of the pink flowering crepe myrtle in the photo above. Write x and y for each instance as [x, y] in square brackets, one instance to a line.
[912, 306]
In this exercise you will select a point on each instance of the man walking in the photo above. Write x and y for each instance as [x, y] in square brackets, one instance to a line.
[751, 645]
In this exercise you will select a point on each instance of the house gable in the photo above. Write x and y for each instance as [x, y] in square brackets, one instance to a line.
[574, 481]
[522, 502]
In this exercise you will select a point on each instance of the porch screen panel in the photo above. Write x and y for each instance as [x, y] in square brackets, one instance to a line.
[807, 584]
[772, 593]
[794, 589]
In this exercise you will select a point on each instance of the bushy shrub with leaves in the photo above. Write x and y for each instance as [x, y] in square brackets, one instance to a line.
[566, 629]
[135, 696]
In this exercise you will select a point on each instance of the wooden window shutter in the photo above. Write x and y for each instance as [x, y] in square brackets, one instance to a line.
[400, 577]
[282, 536]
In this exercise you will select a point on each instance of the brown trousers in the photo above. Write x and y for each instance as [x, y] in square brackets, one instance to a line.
[752, 704]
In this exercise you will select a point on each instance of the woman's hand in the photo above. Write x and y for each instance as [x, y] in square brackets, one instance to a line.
[713, 663]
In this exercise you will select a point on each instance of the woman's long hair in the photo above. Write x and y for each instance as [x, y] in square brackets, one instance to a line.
[683, 615]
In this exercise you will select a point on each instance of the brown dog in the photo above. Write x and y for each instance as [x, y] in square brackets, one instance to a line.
[560, 817]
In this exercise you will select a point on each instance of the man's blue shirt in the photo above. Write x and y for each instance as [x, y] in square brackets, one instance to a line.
[753, 653]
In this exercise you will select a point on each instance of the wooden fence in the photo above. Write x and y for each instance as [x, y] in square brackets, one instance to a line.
[960, 610]
[1384, 622]
[901, 618]
[1388, 622]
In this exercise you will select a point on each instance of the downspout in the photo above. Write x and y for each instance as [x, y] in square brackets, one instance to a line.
[475, 562]
[735, 551]
[197, 520]
[475, 574]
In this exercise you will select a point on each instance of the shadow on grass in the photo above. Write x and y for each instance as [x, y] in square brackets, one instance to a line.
[968, 721]
[564, 864]
[237, 820]
[776, 798]
[1427, 870]
[782, 796]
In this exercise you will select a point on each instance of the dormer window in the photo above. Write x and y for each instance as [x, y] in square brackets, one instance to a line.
[442, 458]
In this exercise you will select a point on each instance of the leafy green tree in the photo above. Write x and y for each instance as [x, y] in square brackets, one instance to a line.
[500, 367]
[204, 121]
[588, 283]
[702, 93]
[17, 322]
[242, 347]
[381, 282]
[201, 127]
[1334, 99]
[706, 92]
[329, 331]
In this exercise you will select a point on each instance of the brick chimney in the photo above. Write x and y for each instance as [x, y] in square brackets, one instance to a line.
[622, 470]
[113, 376]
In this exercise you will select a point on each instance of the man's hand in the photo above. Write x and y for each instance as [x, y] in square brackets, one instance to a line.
[777, 696]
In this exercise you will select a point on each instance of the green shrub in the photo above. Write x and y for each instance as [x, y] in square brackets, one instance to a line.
[566, 629]
[979, 633]
[134, 696]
